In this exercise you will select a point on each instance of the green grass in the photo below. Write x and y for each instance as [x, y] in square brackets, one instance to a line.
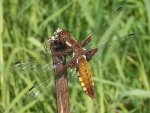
[121, 76]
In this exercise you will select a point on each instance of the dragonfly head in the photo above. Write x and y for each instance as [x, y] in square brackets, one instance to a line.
[62, 35]
[59, 38]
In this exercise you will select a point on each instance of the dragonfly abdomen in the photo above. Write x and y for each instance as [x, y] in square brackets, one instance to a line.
[85, 76]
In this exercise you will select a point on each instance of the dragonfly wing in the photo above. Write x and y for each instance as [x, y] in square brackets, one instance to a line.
[100, 29]
[41, 89]
[112, 46]
[38, 66]
[34, 65]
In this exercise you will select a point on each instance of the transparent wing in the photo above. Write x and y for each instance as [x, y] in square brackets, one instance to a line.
[112, 46]
[38, 64]
[100, 29]
[41, 89]
[42, 71]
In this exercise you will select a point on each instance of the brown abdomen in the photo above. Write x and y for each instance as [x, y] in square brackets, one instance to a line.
[85, 76]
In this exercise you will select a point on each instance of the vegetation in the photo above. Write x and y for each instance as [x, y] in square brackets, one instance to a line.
[121, 75]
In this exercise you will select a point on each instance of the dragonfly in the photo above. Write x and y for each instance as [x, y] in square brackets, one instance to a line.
[80, 57]
[79, 60]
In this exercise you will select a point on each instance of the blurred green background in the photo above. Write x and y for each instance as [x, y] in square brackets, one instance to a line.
[121, 77]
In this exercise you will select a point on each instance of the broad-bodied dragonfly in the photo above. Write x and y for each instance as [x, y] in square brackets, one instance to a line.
[79, 60]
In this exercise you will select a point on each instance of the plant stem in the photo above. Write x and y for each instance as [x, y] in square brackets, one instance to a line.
[61, 83]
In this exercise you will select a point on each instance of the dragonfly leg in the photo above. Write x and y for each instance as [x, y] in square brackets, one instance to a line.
[90, 53]
[72, 63]
[86, 41]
